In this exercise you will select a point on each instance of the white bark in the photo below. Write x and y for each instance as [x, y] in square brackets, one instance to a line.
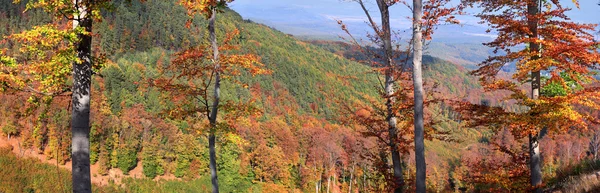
[418, 96]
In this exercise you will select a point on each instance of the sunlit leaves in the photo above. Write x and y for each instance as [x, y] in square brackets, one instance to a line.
[64, 9]
[566, 52]
[203, 7]
[191, 75]
[562, 49]
[43, 62]
[436, 12]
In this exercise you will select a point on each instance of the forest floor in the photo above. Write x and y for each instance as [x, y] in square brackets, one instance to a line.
[115, 175]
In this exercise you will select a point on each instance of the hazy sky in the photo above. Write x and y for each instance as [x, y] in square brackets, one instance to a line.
[320, 15]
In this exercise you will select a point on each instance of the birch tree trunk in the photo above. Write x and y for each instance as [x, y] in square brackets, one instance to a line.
[534, 146]
[418, 95]
[80, 115]
[215, 105]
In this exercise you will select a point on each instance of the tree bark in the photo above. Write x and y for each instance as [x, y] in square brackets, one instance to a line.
[418, 95]
[390, 91]
[215, 105]
[317, 187]
[335, 181]
[80, 116]
[351, 178]
[534, 146]
[594, 145]
[364, 182]
[328, 183]
[534, 164]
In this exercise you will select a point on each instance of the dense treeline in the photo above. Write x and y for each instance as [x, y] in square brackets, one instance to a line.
[282, 145]
[294, 135]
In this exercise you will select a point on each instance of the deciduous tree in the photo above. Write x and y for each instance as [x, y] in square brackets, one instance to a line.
[202, 68]
[76, 51]
[540, 38]
[392, 64]
[418, 95]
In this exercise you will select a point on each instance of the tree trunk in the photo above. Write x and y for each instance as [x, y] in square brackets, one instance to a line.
[328, 183]
[320, 183]
[418, 92]
[534, 164]
[80, 116]
[335, 181]
[351, 177]
[390, 91]
[317, 187]
[364, 182]
[534, 146]
[594, 145]
[215, 105]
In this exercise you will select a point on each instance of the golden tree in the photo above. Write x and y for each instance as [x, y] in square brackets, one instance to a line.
[540, 38]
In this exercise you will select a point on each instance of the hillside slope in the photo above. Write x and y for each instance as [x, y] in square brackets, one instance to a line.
[295, 144]
[453, 79]
[308, 73]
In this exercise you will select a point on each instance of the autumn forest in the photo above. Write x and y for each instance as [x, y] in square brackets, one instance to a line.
[193, 96]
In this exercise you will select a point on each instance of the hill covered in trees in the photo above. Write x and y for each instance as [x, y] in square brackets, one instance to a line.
[299, 101]
[293, 133]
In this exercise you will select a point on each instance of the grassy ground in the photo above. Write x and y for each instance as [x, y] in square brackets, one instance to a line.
[30, 175]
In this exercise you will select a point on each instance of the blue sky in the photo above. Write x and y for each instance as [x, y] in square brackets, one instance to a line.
[317, 17]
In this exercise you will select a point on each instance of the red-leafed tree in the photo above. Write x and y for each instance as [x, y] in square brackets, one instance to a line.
[540, 38]
[396, 87]
[210, 66]
[198, 70]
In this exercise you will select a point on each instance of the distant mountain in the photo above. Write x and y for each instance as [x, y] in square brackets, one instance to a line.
[291, 20]
[303, 19]
[464, 54]
[291, 15]
[325, 27]
[461, 34]
[459, 44]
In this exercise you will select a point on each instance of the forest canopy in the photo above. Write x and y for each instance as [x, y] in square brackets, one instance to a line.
[290, 115]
